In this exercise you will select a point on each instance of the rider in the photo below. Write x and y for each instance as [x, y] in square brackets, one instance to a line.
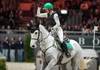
[56, 29]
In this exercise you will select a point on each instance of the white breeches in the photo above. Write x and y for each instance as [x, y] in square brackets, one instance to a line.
[58, 32]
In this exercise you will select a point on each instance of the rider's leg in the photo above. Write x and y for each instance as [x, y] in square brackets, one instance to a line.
[63, 45]
[65, 49]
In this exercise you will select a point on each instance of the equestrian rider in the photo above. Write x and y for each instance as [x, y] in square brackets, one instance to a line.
[56, 30]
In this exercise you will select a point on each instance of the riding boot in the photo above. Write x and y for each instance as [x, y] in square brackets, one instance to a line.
[65, 49]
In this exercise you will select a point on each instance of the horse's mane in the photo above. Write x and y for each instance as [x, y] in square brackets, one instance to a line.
[43, 29]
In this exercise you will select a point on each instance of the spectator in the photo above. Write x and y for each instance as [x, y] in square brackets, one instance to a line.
[12, 49]
[20, 49]
[5, 47]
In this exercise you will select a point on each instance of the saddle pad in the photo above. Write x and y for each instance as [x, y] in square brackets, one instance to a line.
[68, 45]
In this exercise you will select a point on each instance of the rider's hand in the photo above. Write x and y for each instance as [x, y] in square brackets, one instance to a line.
[39, 4]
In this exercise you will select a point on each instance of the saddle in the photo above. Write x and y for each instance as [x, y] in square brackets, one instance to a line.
[68, 44]
[67, 47]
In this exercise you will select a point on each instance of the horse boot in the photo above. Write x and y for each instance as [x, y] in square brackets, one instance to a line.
[65, 49]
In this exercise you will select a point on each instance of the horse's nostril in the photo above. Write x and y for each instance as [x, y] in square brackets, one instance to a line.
[33, 46]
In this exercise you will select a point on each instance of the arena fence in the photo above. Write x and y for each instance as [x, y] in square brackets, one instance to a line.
[86, 40]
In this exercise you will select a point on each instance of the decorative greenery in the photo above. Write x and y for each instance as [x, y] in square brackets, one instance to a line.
[29, 52]
[2, 64]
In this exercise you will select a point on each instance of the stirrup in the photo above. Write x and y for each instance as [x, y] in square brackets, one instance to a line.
[68, 54]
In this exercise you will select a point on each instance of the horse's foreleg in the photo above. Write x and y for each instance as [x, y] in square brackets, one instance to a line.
[39, 64]
[51, 64]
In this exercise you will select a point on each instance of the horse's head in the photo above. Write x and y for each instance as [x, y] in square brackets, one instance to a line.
[38, 35]
[34, 38]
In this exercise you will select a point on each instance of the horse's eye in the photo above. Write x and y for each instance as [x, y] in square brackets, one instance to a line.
[35, 32]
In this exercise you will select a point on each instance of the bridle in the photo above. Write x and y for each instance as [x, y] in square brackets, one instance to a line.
[39, 41]
[38, 38]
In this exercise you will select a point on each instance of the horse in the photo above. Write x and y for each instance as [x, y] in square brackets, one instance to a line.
[42, 38]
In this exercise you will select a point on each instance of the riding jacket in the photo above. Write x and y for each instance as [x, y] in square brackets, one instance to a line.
[56, 30]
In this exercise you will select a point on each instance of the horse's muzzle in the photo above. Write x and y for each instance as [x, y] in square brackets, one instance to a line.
[33, 46]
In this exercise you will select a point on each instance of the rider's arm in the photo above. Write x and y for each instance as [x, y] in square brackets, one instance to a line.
[56, 18]
[41, 15]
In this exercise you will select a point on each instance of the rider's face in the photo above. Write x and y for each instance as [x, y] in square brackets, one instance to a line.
[47, 11]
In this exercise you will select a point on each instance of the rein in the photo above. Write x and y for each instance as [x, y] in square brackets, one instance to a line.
[39, 41]
[39, 37]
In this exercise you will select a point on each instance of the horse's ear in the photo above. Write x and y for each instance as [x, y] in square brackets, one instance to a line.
[41, 27]
[33, 28]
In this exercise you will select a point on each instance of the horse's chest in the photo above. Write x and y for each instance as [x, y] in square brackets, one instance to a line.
[43, 43]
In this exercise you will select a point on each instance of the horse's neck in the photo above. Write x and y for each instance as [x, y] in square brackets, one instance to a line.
[44, 32]
[47, 38]
[47, 42]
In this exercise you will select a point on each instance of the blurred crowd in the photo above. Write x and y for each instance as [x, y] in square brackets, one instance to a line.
[18, 14]
[12, 48]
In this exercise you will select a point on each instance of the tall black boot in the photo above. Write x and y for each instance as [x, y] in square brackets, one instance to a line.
[65, 49]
